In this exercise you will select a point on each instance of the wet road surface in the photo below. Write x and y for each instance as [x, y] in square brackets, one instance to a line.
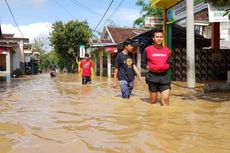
[40, 114]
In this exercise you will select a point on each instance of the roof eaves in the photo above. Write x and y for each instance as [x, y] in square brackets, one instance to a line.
[102, 44]
[25, 40]
[110, 35]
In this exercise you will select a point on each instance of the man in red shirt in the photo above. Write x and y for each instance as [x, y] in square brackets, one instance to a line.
[86, 65]
[156, 60]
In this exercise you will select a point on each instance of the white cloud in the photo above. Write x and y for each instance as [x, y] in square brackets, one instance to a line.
[30, 31]
[127, 14]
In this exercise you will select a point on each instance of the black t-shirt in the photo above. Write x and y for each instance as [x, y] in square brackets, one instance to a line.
[124, 64]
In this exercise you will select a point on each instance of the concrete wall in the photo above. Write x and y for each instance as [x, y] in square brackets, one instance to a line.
[22, 57]
[16, 59]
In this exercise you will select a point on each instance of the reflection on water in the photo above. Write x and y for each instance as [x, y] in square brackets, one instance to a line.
[40, 114]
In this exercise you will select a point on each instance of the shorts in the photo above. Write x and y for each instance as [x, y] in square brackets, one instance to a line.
[158, 81]
[126, 88]
[86, 80]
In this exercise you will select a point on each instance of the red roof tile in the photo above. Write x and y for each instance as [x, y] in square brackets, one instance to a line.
[106, 41]
[120, 34]
[7, 35]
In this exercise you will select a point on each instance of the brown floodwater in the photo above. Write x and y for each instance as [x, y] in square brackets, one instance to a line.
[39, 114]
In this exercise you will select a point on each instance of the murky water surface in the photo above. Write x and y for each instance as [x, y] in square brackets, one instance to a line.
[39, 114]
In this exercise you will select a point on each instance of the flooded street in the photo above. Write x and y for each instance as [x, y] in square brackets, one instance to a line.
[40, 114]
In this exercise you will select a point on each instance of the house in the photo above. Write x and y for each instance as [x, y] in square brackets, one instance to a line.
[209, 22]
[209, 65]
[105, 50]
[11, 54]
[32, 59]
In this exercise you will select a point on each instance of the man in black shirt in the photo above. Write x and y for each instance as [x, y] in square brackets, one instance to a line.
[125, 70]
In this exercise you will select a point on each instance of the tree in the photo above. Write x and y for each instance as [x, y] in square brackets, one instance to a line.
[39, 46]
[219, 2]
[146, 10]
[67, 38]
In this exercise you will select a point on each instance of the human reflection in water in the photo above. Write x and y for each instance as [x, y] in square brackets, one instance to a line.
[86, 90]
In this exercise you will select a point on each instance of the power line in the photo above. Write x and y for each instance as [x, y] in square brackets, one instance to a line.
[112, 13]
[61, 6]
[14, 18]
[103, 15]
[79, 4]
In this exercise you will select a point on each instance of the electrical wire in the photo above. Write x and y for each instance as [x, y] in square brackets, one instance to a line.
[61, 6]
[79, 4]
[103, 15]
[119, 5]
[14, 18]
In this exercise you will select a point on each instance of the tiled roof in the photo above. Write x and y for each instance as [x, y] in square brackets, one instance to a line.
[10, 44]
[120, 34]
[101, 41]
[106, 41]
[7, 35]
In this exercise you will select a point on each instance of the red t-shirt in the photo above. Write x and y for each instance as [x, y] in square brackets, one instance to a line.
[86, 67]
[157, 58]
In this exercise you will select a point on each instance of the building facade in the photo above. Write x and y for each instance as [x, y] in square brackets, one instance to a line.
[11, 54]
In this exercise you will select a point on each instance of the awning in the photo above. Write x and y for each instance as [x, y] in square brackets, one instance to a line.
[102, 44]
[110, 49]
[164, 3]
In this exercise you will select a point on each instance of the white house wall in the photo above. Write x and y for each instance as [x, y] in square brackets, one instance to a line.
[8, 70]
[16, 58]
[225, 35]
[22, 58]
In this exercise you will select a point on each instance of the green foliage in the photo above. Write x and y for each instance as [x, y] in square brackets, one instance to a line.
[45, 62]
[39, 46]
[48, 59]
[146, 10]
[66, 39]
[227, 12]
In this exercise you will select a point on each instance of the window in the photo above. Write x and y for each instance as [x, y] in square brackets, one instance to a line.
[2, 62]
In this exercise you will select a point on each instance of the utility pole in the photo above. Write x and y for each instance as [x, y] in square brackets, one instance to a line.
[191, 78]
